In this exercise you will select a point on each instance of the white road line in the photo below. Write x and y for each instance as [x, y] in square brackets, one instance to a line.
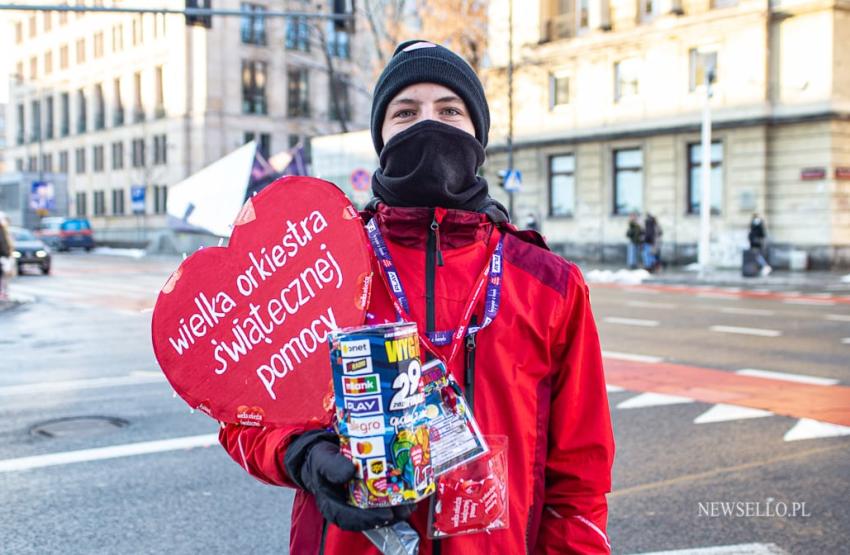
[846, 341]
[72, 385]
[747, 311]
[785, 376]
[653, 400]
[632, 322]
[722, 412]
[115, 451]
[812, 302]
[806, 428]
[746, 331]
[838, 317]
[650, 304]
[631, 356]
[739, 549]
[613, 388]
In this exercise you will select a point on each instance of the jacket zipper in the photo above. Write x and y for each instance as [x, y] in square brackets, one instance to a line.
[433, 258]
[469, 374]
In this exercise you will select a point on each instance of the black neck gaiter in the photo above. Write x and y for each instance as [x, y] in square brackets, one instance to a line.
[431, 164]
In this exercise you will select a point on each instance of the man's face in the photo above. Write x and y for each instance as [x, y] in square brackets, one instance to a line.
[421, 102]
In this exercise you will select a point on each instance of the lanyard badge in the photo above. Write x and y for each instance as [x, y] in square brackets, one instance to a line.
[491, 276]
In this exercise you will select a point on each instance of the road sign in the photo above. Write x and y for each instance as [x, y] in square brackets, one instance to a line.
[42, 196]
[360, 180]
[137, 199]
[513, 181]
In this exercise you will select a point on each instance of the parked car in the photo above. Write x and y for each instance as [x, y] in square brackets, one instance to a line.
[29, 250]
[65, 234]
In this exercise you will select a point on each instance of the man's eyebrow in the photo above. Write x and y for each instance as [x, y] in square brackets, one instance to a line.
[405, 101]
[448, 99]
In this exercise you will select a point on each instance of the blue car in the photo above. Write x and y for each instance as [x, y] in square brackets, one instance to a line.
[65, 234]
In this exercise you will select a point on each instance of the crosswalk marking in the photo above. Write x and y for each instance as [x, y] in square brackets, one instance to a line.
[722, 412]
[653, 400]
[632, 322]
[746, 331]
[799, 378]
[807, 428]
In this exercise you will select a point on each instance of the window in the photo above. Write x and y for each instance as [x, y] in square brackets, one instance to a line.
[118, 202]
[97, 158]
[650, 9]
[340, 107]
[628, 181]
[99, 204]
[81, 111]
[298, 99]
[297, 34]
[32, 26]
[48, 124]
[47, 163]
[48, 62]
[63, 161]
[695, 177]
[293, 141]
[99, 107]
[19, 164]
[117, 38]
[19, 139]
[19, 32]
[626, 77]
[253, 87]
[48, 21]
[81, 160]
[158, 25]
[81, 51]
[702, 64]
[98, 45]
[32, 162]
[63, 18]
[339, 44]
[33, 68]
[65, 116]
[562, 185]
[80, 203]
[118, 105]
[63, 56]
[160, 199]
[138, 153]
[36, 121]
[253, 24]
[138, 109]
[118, 155]
[160, 150]
[159, 109]
[19, 71]
[559, 90]
[138, 23]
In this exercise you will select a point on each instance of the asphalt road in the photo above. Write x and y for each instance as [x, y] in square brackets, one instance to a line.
[77, 373]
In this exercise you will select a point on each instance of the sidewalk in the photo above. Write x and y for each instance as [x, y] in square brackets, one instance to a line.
[821, 281]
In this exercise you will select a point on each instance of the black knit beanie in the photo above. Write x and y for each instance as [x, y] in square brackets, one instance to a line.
[429, 63]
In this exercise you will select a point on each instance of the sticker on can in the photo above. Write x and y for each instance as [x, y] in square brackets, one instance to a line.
[357, 366]
[361, 385]
[363, 427]
[359, 348]
[375, 468]
[364, 406]
[368, 446]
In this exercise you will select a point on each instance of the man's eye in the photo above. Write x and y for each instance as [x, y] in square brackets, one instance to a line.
[451, 112]
[403, 114]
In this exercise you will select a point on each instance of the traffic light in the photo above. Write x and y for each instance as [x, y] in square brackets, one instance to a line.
[502, 174]
[204, 21]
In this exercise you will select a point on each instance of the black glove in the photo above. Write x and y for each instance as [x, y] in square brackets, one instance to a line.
[313, 461]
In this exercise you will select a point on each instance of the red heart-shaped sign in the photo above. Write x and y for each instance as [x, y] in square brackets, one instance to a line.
[241, 331]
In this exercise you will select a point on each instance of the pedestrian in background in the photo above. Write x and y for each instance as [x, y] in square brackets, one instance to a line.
[635, 235]
[652, 238]
[6, 248]
[758, 243]
[531, 222]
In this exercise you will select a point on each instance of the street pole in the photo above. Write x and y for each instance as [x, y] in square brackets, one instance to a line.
[510, 102]
[705, 181]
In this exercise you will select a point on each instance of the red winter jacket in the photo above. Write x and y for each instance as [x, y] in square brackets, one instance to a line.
[537, 379]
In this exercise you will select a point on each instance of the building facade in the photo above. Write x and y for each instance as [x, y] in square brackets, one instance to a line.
[607, 106]
[123, 101]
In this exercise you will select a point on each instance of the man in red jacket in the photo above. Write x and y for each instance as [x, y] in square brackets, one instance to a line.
[529, 361]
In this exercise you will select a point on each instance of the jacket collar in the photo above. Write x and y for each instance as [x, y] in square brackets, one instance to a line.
[410, 226]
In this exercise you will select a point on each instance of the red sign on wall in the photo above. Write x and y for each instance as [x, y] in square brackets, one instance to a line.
[812, 174]
[241, 331]
[842, 172]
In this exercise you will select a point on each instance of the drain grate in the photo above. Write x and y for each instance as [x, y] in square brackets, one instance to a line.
[77, 426]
